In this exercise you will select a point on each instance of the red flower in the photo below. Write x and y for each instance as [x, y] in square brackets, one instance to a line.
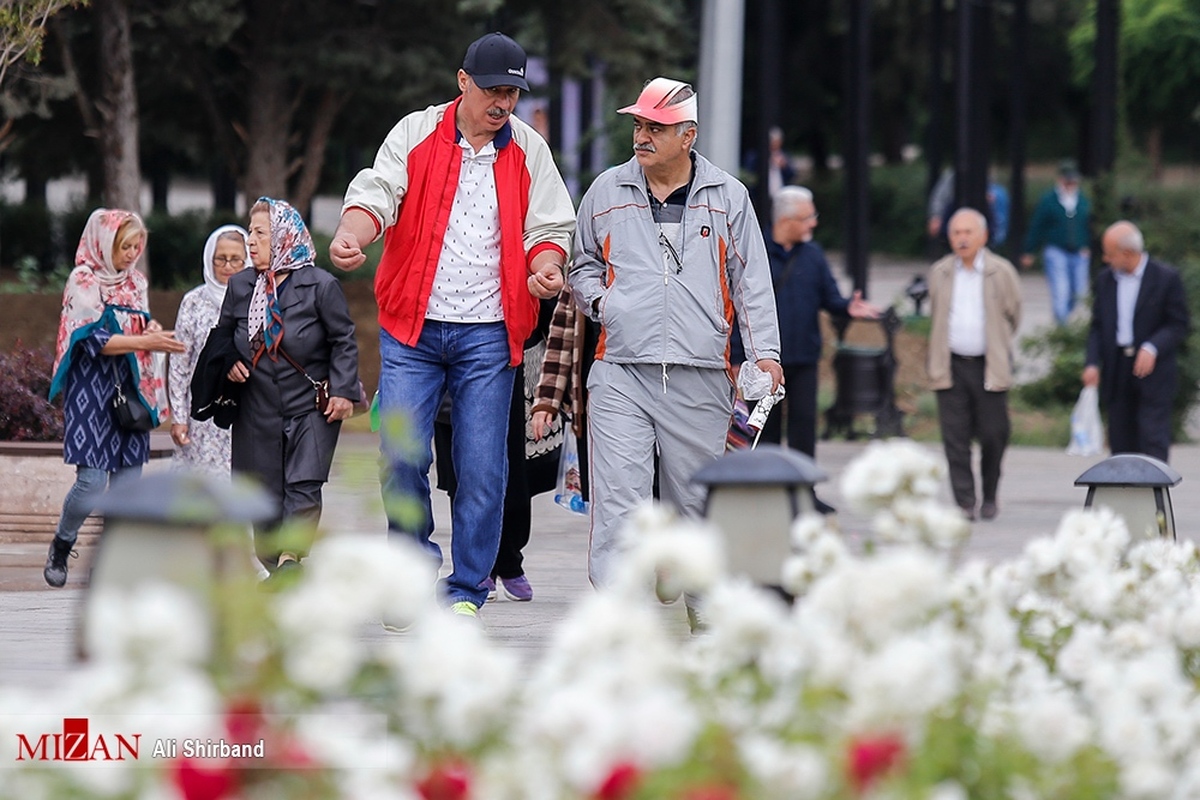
[620, 783]
[871, 757]
[449, 780]
[204, 780]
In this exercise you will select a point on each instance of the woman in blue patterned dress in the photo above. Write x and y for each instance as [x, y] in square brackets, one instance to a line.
[201, 445]
[105, 337]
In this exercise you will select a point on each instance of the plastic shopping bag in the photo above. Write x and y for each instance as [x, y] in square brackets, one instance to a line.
[1087, 432]
[569, 492]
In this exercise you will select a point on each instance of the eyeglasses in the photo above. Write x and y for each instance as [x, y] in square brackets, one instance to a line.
[234, 261]
[813, 216]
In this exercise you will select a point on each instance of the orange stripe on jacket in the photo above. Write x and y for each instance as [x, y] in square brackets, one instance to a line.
[611, 277]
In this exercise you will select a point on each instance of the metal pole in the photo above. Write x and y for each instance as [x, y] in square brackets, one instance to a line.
[720, 83]
[770, 86]
[858, 65]
[970, 93]
[937, 106]
[1018, 111]
[1104, 87]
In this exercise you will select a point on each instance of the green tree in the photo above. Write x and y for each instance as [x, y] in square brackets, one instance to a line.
[1159, 67]
[23, 28]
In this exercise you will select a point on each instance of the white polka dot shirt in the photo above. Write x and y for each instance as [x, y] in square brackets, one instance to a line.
[466, 287]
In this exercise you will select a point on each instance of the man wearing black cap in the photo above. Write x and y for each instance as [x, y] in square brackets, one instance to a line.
[477, 224]
[1060, 227]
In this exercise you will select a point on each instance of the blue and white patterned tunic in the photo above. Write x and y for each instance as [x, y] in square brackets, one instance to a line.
[92, 437]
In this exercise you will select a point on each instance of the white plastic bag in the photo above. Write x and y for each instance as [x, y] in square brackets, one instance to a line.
[754, 383]
[569, 492]
[1087, 432]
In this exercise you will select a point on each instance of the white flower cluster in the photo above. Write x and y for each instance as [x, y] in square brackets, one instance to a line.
[1072, 671]
[898, 480]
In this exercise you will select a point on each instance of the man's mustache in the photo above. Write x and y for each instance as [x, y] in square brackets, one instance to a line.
[644, 148]
[497, 113]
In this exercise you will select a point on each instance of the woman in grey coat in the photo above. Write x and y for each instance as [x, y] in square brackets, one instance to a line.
[291, 327]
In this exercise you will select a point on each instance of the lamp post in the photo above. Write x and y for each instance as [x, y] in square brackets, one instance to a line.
[754, 496]
[165, 528]
[1137, 488]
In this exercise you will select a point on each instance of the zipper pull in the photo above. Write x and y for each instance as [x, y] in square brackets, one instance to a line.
[664, 377]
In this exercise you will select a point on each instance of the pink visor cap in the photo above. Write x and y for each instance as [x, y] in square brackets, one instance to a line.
[666, 102]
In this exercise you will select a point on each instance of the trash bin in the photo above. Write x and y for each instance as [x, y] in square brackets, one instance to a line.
[865, 382]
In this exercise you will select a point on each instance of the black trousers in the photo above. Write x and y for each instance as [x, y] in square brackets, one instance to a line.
[966, 413]
[294, 530]
[799, 407]
[1139, 420]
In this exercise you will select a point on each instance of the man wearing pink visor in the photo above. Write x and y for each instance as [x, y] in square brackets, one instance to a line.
[667, 249]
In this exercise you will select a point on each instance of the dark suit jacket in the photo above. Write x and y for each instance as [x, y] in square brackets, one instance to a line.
[1160, 317]
[804, 284]
[279, 436]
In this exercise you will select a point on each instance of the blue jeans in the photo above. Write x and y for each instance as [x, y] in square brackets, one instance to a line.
[1068, 278]
[471, 361]
[81, 498]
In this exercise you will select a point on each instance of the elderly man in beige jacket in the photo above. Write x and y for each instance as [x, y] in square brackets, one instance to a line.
[975, 307]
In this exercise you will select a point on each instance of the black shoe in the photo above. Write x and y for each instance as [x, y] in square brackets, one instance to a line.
[822, 507]
[968, 512]
[988, 510]
[55, 571]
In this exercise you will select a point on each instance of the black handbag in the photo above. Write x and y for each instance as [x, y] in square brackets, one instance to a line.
[131, 413]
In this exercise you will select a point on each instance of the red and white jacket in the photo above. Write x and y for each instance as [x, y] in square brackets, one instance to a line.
[409, 192]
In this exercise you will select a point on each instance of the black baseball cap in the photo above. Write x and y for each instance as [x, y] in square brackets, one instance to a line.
[496, 60]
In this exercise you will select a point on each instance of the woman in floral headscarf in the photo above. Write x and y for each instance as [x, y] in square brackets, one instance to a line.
[106, 338]
[286, 316]
[203, 445]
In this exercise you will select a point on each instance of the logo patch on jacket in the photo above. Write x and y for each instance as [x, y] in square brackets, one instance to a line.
[704, 231]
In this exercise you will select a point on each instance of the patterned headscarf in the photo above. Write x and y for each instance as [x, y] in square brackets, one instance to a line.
[214, 289]
[96, 283]
[291, 249]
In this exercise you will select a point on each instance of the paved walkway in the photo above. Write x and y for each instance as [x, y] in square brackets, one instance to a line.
[37, 625]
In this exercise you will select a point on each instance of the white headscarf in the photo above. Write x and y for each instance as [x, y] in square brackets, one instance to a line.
[213, 288]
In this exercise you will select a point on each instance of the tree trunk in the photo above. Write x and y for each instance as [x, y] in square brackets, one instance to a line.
[269, 124]
[118, 107]
[314, 150]
[1154, 150]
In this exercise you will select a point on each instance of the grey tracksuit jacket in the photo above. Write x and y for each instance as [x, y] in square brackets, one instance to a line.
[652, 315]
[659, 385]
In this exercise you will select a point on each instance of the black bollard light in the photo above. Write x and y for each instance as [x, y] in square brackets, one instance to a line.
[1137, 488]
[754, 497]
[166, 528]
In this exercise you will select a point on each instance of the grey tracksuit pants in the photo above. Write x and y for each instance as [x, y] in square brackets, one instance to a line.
[631, 412]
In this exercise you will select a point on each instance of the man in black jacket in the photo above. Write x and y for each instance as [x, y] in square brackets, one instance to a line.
[804, 285]
[1139, 320]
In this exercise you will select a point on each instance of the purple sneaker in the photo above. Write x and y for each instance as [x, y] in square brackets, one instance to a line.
[490, 585]
[517, 588]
